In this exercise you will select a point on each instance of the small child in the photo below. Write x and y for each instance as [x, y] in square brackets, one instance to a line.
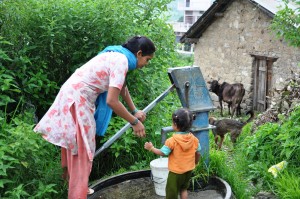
[183, 149]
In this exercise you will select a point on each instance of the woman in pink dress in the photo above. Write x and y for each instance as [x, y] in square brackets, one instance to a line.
[70, 123]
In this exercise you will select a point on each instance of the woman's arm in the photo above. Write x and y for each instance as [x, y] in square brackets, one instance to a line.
[127, 98]
[113, 101]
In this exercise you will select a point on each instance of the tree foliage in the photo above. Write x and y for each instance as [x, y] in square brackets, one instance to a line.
[50, 39]
[286, 23]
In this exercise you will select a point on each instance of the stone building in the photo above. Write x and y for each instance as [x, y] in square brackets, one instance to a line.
[234, 43]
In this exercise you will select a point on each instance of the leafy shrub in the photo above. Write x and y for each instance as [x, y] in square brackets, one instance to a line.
[8, 84]
[269, 145]
[273, 142]
[29, 167]
[19, 84]
[286, 23]
[46, 36]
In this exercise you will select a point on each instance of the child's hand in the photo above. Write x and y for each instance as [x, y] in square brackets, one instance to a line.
[148, 145]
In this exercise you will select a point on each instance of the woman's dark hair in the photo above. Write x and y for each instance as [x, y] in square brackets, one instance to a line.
[183, 118]
[140, 43]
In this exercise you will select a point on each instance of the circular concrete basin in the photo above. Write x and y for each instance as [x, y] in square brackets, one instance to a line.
[138, 184]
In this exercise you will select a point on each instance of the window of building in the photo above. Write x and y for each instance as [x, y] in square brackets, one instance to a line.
[187, 3]
[189, 12]
[189, 20]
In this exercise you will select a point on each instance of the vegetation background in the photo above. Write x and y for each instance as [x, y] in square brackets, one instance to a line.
[43, 42]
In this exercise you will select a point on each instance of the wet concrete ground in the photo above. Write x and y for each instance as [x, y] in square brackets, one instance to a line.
[143, 188]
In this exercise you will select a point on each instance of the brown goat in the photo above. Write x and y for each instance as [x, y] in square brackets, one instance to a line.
[232, 94]
[231, 126]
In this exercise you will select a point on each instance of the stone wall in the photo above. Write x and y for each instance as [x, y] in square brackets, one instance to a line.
[224, 49]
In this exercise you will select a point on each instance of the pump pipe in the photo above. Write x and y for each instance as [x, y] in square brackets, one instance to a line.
[164, 132]
[123, 130]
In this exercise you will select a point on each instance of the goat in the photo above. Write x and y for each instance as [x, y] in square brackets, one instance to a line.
[231, 126]
[229, 93]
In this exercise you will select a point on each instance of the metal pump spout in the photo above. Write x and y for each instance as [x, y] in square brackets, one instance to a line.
[194, 95]
[164, 132]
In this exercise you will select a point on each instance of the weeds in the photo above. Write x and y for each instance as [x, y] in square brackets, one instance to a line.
[245, 165]
[28, 165]
[287, 185]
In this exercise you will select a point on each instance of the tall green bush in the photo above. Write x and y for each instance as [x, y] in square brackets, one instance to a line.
[52, 38]
[29, 166]
[8, 84]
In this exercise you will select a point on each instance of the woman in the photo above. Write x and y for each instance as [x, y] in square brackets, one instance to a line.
[70, 122]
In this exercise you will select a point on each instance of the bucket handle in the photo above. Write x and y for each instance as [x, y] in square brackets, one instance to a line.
[154, 178]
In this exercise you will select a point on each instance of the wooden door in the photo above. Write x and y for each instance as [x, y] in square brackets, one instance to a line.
[262, 88]
[262, 81]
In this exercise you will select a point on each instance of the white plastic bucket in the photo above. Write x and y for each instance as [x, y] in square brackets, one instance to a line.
[159, 171]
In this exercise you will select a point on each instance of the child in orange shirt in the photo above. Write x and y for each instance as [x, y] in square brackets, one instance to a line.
[183, 149]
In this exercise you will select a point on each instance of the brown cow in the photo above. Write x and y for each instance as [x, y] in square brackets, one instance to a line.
[229, 93]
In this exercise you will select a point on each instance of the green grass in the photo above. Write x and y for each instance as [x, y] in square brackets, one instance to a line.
[288, 186]
[245, 165]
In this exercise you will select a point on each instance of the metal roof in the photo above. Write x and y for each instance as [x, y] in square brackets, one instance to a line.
[270, 7]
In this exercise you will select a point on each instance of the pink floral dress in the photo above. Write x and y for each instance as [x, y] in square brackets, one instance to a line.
[81, 90]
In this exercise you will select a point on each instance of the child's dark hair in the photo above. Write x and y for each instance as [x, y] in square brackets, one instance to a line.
[183, 118]
[140, 43]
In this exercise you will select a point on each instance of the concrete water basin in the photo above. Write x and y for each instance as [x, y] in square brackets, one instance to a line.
[139, 185]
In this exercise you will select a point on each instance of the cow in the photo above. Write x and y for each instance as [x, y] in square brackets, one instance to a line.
[229, 93]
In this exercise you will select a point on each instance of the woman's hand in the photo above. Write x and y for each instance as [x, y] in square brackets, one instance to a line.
[139, 129]
[140, 115]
